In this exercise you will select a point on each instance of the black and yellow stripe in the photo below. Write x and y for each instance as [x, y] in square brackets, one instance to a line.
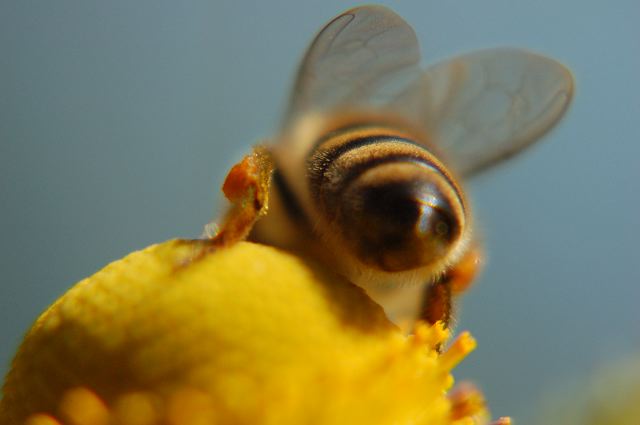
[390, 198]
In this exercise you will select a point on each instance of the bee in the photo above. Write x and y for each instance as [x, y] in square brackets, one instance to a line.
[368, 163]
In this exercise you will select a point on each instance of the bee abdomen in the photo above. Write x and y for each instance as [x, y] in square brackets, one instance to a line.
[389, 198]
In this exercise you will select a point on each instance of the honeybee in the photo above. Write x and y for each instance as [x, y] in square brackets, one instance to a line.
[368, 162]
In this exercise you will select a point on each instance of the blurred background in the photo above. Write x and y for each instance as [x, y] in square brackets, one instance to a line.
[119, 120]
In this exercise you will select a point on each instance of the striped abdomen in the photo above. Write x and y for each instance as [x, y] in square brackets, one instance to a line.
[390, 200]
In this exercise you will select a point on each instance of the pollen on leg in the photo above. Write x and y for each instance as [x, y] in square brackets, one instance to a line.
[462, 275]
[247, 188]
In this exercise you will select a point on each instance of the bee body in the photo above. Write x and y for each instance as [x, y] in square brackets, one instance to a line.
[372, 150]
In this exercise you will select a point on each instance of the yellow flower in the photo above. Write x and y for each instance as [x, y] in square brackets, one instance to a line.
[180, 333]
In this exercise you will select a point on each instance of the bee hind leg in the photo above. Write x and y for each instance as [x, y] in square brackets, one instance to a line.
[247, 189]
[437, 302]
[438, 305]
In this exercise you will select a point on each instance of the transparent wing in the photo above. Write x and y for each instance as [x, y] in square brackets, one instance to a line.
[365, 56]
[485, 106]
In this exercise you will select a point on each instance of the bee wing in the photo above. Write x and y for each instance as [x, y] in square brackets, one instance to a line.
[485, 106]
[365, 56]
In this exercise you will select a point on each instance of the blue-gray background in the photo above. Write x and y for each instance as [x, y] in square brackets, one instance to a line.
[119, 119]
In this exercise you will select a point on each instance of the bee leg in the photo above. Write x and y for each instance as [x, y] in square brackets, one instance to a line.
[437, 304]
[247, 189]
[464, 272]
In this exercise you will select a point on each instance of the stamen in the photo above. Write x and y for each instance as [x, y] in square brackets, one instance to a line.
[460, 348]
